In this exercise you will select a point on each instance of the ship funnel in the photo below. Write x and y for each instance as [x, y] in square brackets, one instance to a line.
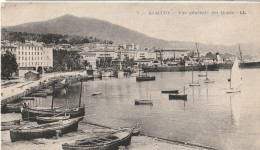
[218, 57]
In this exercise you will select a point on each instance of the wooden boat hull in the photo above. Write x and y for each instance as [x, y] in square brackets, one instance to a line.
[9, 125]
[43, 120]
[24, 134]
[149, 78]
[31, 114]
[143, 102]
[13, 108]
[171, 91]
[194, 84]
[176, 96]
[126, 141]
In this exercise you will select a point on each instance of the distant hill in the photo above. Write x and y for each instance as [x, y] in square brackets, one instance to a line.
[90, 27]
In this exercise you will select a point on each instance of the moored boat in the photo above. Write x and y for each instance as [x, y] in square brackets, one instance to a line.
[178, 96]
[96, 93]
[143, 102]
[48, 130]
[106, 142]
[235, 78]
[9, 124]
[171, 91]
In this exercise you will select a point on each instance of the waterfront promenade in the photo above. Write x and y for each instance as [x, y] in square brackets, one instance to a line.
[19, 89]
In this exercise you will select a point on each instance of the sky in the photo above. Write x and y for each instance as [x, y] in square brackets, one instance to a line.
[182, 21]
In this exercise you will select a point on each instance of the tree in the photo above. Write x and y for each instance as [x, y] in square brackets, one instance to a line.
[9, 65]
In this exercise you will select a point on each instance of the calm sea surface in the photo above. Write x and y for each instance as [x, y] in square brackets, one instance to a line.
[209, 117]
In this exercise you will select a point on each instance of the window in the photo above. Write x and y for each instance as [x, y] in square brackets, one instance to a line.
[29, 58]
[35, 53]
[38, 58]
[25, 53]
[25, 58]
[38, 53]
[19, 64]
[32, 58]
[29, 63]
[22, 64]
[28, 53]
[22, 58]
[22, 53]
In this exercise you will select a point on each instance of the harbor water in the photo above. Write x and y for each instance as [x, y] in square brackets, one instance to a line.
[209, 117]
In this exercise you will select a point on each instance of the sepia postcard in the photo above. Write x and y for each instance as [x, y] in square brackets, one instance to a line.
[135, 75]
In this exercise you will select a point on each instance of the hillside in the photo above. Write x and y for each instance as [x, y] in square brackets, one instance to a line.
[90, 27]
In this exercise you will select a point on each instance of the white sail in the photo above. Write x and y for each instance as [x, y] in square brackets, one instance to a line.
[235, 75]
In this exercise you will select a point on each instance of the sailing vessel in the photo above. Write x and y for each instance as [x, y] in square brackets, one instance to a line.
[207, 80]
[235, 77]
[144, 77]
[192, 82]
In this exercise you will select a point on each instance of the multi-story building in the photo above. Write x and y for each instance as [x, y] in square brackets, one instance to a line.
[32, 56]
[171, 53]
[5, 48]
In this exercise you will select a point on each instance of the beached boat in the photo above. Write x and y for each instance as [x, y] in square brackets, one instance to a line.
[171, 91]
[106, 142]
[137, 130]
[48, 130]
[13, 108]
[96, 93]
[39, 94]
[9, 125]
[31, 114]
[143, 102]
[235, 77]
[43, 120]
[27, 98]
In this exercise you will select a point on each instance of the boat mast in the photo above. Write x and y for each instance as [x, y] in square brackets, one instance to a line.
[192, 76]
[52, 98]
[240, 52]
[198, 52]
[80, 92]
[230, 78]
[139, 70]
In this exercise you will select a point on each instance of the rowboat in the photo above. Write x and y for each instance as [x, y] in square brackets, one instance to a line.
[31, 114]
[96, 93]
[137, 130]
[48, 130]
[39, 94]
[143, 102]
[43, 120]
[106, 142]
[145, 78]
[13, 108]
[9, 125]
[178, 96]
[171, 91]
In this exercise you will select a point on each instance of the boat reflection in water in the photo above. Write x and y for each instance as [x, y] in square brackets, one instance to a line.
[235, 105]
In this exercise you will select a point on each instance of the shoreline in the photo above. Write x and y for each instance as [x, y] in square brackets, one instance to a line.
[89, 129]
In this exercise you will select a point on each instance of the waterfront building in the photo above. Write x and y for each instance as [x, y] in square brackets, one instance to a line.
[171, 53]
[10, 48]
[32, 56]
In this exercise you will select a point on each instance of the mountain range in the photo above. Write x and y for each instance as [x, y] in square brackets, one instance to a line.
[84, 26]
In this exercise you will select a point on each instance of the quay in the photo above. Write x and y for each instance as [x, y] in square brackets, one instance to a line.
[90, 129]
[14, 92]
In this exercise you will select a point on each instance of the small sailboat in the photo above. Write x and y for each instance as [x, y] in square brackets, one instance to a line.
[194, 83]
[235, 76]
[207, 80]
